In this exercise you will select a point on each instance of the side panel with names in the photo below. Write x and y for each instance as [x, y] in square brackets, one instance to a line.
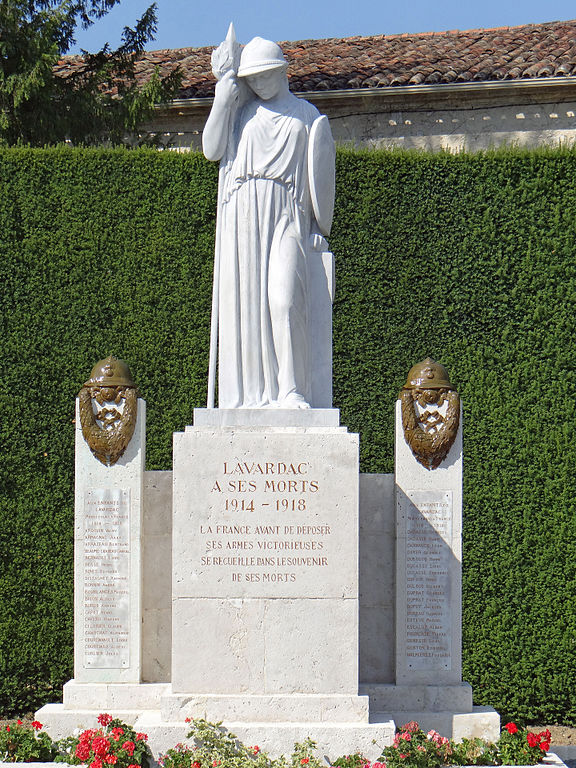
[428, 520]
[106, 578]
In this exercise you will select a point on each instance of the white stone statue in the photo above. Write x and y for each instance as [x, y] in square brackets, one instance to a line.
[275, 201]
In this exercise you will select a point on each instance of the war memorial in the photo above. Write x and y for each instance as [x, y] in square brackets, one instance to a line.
[263, 581]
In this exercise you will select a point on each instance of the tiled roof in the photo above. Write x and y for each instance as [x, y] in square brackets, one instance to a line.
[505, 53]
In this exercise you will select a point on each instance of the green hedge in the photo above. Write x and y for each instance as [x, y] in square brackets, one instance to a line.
[468, 258]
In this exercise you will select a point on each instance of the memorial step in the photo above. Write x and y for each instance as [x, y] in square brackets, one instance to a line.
[481, 722]
[400, 698]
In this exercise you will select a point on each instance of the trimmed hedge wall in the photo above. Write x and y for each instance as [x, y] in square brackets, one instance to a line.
[468, 258]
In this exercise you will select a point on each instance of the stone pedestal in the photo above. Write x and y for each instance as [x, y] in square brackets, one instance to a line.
[107, 561]
[265, 549]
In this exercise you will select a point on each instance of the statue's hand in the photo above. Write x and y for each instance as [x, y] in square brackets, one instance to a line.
[227, 90]
[317, 242]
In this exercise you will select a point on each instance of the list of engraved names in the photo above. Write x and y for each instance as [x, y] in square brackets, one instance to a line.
[266, 524]
[428, 592]
[107, 578]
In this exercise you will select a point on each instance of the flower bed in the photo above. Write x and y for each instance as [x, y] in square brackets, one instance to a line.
[211, 746]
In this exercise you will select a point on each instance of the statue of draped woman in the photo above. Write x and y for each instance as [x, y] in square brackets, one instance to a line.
[272, 213]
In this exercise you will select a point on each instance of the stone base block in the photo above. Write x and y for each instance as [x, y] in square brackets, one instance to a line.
[59, 722]
[266, 417]
[481, 722]
[105, 696]
[277, 708]
[269, 646]
[333, 739]
[265, 547]
[423, 698]
[564, 752]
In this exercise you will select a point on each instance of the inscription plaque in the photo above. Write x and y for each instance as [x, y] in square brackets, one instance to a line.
[273, 522]
[428, 517]
[106, 578]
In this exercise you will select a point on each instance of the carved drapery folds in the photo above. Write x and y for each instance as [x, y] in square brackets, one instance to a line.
[108, 409]
[429, 428]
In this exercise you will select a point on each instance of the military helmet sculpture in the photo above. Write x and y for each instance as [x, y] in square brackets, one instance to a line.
[260, 55]
[429, 433]
[108, 409]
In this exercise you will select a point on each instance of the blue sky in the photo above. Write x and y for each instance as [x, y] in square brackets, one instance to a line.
[195, 23]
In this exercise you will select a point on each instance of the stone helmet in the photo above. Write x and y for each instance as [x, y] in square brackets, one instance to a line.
[260, 55]
[110, 372]
[428, 374]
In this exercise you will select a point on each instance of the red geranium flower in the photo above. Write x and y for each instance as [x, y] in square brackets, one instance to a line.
[8, 728]
[132, 765]
[82, 751]
[256, 749]
[141, 737]
[532, 739]
[304, 760]
[37, 725]
[96, 764]
[545, 746]
[196, 765]
[104, 719]
[100, 746]
[128, 746]
[511, 728]
[111, 759]
[18, 722]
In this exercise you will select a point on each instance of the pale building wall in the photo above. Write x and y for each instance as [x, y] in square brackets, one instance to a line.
[469, 129]
[477, 116]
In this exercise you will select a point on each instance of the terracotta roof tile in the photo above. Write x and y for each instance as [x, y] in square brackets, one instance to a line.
[504, 53]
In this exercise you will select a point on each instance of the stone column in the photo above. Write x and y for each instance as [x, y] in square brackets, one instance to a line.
[107, 557]
[429, 536]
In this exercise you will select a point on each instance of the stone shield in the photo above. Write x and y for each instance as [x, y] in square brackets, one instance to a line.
[321, 172]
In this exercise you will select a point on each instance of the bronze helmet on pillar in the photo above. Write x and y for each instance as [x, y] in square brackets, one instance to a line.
[108, 409]
[428, 431]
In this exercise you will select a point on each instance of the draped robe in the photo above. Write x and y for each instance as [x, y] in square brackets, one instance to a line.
[264, 220]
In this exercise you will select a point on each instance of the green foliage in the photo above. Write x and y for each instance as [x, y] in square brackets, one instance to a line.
[474, 752]
[97, 101]
[215, 747]
[467, 258]
[471, 259]
[519, 746]
[350, 761]
[23, 744]
[103, 252]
